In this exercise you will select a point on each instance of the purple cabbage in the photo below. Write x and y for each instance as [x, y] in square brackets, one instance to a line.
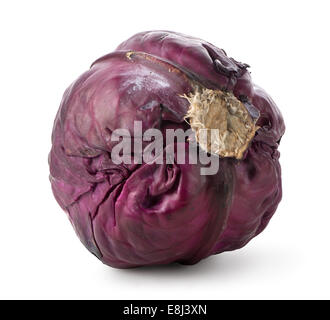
[131, 215]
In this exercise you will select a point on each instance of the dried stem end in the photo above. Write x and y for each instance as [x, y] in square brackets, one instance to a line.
[216, 109]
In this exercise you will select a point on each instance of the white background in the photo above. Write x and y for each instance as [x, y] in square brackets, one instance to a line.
[45, 45]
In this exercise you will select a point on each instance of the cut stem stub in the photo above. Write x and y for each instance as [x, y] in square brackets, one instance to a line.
[220, 110]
